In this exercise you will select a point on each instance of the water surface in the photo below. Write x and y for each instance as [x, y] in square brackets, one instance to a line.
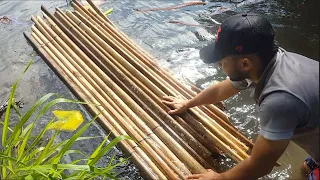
[175, 47]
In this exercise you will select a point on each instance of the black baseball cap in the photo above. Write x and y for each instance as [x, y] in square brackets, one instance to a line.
[238, 35]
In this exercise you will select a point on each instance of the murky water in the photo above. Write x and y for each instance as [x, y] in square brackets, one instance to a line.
[174, 46]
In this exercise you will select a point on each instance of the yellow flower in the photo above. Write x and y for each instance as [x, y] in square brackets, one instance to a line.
[67, 120]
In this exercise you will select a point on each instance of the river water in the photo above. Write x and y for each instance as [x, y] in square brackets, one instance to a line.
[174, 46]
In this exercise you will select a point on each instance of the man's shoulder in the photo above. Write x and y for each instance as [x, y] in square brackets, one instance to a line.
[281, 101]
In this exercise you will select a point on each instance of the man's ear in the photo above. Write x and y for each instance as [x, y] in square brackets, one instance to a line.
[246, 64]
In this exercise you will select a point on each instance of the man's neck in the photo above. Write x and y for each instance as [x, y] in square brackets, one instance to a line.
[255, 76]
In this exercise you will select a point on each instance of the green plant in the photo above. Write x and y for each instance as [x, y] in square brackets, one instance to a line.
[23, 157]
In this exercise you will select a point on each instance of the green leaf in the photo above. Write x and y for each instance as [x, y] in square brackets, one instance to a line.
[96, 151]
[40, 135]
[25, 118]
[8, 127]
[108, 147]
[72, 140]
[8, 158]
[108, 11]
[45, 150]
[6, 118]
[24, 143]
[58, 147]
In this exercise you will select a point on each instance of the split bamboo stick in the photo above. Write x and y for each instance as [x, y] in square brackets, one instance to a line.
[150, 169]
[180, 151]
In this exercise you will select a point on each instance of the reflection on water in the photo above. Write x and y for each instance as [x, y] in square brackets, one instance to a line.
[174, 46]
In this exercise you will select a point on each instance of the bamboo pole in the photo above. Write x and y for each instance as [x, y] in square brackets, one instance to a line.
[161, 83]
[123, 110]
[179, 152]
[98, 71]
[99, 12]
[195, 164]
[155, 67]
[138, 155]
[95, 80]
[146, 81]
[222, 122]
[128, 74]
[73, 73]
[82, 18]
[182, 122]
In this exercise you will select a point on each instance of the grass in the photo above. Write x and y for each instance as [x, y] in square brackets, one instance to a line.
[23, 157]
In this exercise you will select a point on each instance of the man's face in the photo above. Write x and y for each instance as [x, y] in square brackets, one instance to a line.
[233, 68]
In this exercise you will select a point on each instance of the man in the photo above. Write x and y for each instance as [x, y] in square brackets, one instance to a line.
[286, 88]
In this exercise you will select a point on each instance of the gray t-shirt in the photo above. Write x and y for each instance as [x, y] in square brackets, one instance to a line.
[288, 99]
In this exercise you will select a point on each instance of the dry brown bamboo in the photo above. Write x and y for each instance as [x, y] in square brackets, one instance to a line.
[59, 14]
[219, 112]
[78, 78]
[233, 131]
[146, 81]
[161, 83]
[199, 159]
[153, 127]
[99, 11]
[83, 19]
[80, 90]
[93, 81]
[121, 108]
[180, 120]
[180, 151]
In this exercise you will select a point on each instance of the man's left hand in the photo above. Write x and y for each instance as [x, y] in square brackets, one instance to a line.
[210, 175]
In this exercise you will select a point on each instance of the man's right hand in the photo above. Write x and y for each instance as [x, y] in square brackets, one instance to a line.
[179, 105]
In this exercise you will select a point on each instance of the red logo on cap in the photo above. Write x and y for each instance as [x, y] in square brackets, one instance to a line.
[217, 35]
[239, 48]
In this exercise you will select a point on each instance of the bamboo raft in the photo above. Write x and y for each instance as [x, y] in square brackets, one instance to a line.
[101, 65]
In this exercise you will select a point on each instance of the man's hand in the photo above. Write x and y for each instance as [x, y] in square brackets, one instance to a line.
[210, 175]
[179, 105]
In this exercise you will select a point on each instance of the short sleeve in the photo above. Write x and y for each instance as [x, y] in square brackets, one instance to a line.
[279, 115]
[241, 85]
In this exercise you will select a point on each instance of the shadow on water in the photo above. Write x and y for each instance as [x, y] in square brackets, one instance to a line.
[174, 46]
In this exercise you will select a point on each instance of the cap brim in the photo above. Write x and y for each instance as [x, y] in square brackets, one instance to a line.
[210, 53]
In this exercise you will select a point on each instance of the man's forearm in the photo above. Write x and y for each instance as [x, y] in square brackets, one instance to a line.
[212, 94]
